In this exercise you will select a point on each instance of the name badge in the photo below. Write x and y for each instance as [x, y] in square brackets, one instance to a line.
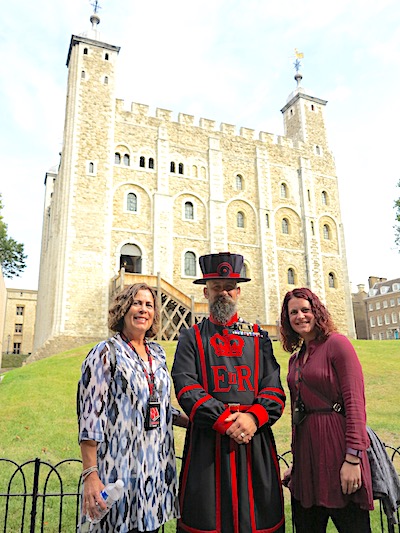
[153, 415]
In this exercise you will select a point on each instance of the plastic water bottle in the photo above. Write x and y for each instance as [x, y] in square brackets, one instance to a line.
[110, 494]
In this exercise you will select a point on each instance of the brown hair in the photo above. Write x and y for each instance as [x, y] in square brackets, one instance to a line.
[122, 303]
[323, 321]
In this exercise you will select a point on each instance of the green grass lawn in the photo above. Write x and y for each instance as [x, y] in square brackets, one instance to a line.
[38, 413]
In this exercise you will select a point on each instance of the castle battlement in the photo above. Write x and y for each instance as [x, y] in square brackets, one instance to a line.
[142, 111]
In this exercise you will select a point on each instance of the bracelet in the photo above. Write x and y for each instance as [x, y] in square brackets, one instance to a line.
[351, 462]
[88, 471]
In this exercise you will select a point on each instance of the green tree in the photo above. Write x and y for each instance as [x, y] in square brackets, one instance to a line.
[12, 257]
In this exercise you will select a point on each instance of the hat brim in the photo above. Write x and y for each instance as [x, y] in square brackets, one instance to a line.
[203, 281]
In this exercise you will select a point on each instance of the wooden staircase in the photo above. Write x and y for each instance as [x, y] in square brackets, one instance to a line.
[177, 310]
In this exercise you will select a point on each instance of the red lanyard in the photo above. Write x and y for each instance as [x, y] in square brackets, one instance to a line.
[149, 378]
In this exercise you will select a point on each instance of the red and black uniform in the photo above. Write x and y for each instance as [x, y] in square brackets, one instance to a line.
[226, 487]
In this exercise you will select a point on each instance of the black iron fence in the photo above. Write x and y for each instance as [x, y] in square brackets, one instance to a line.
[37, 496]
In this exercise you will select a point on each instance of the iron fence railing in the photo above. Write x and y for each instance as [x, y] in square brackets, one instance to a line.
[36, 496]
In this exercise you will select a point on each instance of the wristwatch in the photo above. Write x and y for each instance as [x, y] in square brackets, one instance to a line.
[352, 451]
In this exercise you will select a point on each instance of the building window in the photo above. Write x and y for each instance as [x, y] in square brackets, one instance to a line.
[117, 158]
[243, 272]
[385, 304]
[317, 150]
[106, 80]
[18, 328]
[381, 336]
[17, 348]
[83, 75]
[127, 160]
[324, 198]
[312, 228]
[396, 287]
[312, 107]
[194, 171]
[283, 190]
[239, 182]
[240, 220]
[172, 166]
[387, 319]
[372, 321]
[142, 162]
[85, 51]
[326, 232]
[290, 276]
[331, 280]
[91, 167]
[285, 226]
[151, 162]
[131, 202]
[379, 320]
[106, 56]
[189, 211]
[267, 220]
[394, 318]
[180, 168]
[190, 264]
[391, 302]
[20, 310]
[370, 307]
[378, 305]
[374, 337]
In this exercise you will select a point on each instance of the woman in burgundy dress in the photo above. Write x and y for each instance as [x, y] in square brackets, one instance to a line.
[330, 476]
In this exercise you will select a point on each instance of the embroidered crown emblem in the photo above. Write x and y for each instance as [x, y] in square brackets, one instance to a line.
[227, 345]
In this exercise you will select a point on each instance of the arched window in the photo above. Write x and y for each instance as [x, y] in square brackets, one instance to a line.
[106, 80]
[243, 272]
[91, 168]
[290, 276]
[142, 162]
[117, 158]
[324, 198]
[283, 190]
[85, 51]
[331, 280]
[194, 171]
[312, 228]
[190, 264]
[127, 160]
[189, 211]
[239, 182]
[327, 232]
[83, 74]
[131, 202]
[151, 162]
[106, 56]
[267, 220]
[240, 219]
[285, 226]
[172, 166]
[180, 168]
[317, 150]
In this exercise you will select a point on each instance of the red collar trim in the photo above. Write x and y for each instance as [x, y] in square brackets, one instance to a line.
[231, 321]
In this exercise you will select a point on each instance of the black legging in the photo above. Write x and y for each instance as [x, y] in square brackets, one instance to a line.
[349, 519]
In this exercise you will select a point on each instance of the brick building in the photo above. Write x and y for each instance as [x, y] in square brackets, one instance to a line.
[19, 322]
[383, 308]
[151, 194]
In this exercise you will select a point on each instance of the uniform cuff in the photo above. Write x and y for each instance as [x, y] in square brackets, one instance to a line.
[221, 425]
[260, 413]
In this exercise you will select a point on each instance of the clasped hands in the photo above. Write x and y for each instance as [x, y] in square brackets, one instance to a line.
[242, 428]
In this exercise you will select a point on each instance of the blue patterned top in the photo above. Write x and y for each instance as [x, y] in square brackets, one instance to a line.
[112, 412]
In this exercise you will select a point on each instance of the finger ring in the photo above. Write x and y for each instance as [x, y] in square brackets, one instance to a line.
[243, 435]
[355, 485]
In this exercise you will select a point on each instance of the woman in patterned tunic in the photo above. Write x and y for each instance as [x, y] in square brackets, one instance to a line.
[125, 420]
[330, 476]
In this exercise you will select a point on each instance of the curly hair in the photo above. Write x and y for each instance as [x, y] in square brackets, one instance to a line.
[323, 321]
[122, 303]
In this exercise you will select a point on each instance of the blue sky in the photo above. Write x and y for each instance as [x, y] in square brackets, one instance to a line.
[226, 60]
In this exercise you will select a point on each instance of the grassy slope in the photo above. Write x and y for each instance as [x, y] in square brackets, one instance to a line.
[38, 415]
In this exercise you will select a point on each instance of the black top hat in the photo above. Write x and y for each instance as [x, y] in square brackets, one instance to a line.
[221, 266]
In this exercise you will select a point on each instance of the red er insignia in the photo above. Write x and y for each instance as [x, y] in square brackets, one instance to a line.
[227, 345]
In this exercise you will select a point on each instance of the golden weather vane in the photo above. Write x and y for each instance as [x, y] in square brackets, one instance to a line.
[297, 57]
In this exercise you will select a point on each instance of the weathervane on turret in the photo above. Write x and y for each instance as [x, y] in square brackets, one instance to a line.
[96, 6]
[95, 19]
[297, 64]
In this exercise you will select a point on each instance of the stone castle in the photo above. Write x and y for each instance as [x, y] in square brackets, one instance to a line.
[151, 194]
